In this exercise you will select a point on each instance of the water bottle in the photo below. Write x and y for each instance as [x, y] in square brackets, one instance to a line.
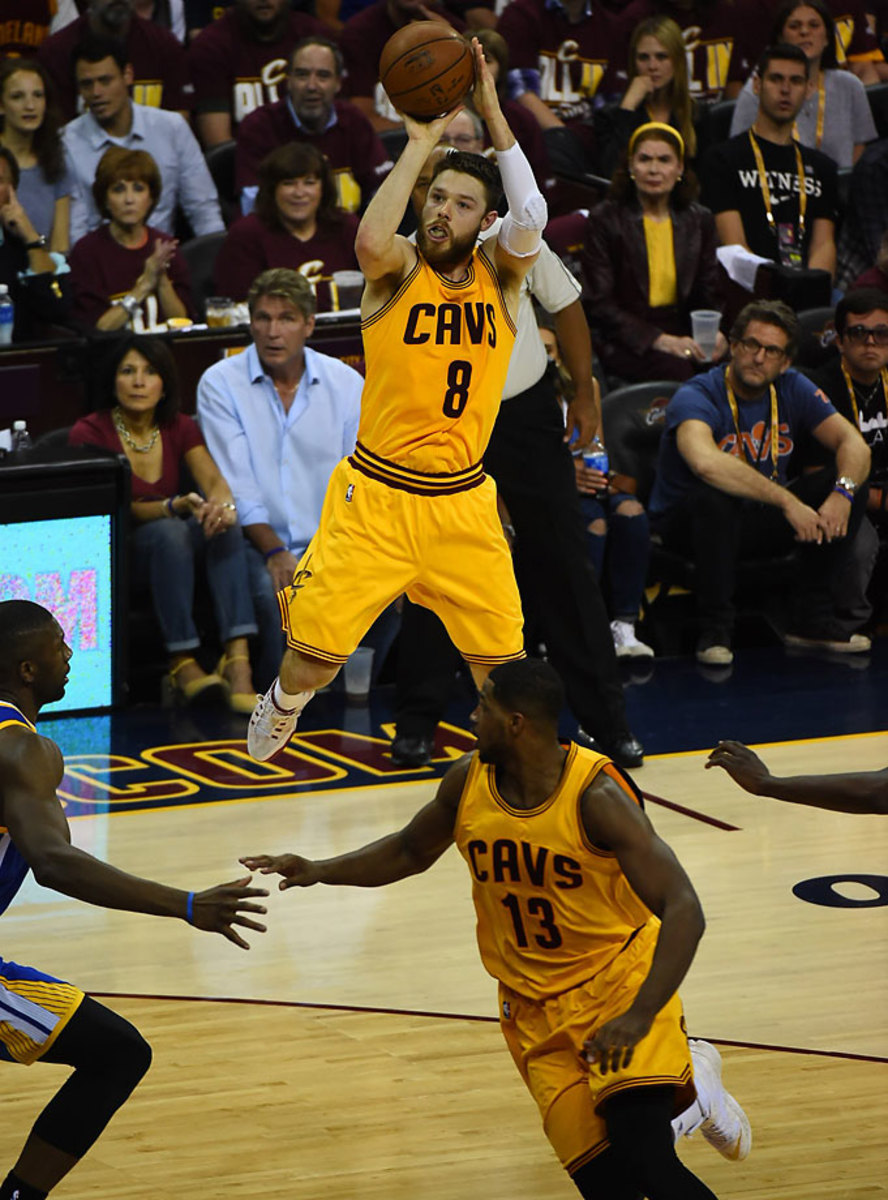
[7, 316]
[595, 456]
[21, 439]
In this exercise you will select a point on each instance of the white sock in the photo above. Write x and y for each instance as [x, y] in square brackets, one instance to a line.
[287, 702]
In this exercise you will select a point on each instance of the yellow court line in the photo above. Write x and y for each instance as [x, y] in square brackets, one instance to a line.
[810, 741]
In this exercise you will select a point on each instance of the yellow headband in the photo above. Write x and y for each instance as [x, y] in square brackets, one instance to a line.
[656, 127]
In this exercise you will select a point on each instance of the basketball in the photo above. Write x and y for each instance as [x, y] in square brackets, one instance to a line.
[426, 68]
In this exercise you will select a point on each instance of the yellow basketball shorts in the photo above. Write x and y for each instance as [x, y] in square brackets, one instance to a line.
[34, 1009]
[546, 1041]
[376, 542]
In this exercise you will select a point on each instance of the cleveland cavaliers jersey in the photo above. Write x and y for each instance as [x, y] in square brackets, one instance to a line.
[436, 355]
[13, 867]
[552, 909]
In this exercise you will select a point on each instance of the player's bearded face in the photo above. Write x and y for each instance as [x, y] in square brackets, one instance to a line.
[448, 251]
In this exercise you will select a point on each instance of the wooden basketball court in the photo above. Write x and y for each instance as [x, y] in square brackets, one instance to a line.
[353, 1051]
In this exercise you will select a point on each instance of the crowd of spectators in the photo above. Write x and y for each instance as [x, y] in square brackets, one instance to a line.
[122, 121]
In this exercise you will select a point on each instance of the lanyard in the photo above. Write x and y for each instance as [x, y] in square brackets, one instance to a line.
[821, 110]
[766, 191]
[774, 431]
[849, 383]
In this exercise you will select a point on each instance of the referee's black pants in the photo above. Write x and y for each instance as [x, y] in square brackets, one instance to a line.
[532, 467]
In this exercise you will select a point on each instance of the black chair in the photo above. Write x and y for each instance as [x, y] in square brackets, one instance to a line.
[220, 160]
[394, 141]
[632, 417]
[816, 337]
[877, 95]
[718, 121]
[200, 255]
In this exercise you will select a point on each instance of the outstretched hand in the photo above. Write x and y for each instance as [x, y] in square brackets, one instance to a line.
[611, 1047]
[428, 133]
[219, 908]
[484, 94]
[742, 764]
[296, 871]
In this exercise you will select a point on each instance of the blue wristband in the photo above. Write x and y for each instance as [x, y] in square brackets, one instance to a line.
[273, 551]
[189, 909]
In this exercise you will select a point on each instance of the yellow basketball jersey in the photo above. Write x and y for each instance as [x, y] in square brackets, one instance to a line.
[553, 910]
[436, 355]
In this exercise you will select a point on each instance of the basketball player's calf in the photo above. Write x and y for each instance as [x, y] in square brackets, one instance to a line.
[109, 1057]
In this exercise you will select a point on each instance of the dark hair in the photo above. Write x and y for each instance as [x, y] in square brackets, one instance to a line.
[318, 40]
[828, 58]
[856, 303]
[10, 158]
[479, 167]
[95, 47]
[46, 141]
[119, 163]
[20, 620]
[771, 312]
[785, 53]
[622, 188]
[294, 161]
[529, 686]
[158, 355]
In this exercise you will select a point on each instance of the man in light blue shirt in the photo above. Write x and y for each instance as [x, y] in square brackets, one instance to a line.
[112, 118]
[277, 419]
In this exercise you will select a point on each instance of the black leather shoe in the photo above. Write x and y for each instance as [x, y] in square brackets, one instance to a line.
[412, 751]
[625, 751]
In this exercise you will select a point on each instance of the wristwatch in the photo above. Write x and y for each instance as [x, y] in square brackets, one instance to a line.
[846, 482]
[128, 303]
[39, 243]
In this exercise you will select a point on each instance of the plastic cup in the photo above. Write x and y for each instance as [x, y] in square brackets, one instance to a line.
[358, 670]
[218, 311]
[348, 286]
[704, 329]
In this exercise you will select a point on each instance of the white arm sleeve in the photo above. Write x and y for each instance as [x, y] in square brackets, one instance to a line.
[522, 227]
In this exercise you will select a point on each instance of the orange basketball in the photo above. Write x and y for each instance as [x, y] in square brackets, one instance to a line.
[426, 68]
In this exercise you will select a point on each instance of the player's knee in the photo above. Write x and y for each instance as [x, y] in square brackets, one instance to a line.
[130, 1055]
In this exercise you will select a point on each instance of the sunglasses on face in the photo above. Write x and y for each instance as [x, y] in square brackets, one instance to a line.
[862, 333]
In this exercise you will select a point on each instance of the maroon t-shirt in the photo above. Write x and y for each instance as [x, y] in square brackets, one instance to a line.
[723, 41]
[177, 437]
[160, 70]
[361, 41]
[352, 146]
[856, 39]
[233, 72]
[251, 247]
[24, 24]
[579, 64]
[102, 270]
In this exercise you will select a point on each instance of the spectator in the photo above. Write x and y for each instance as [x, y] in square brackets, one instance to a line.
[114, 119]
[857, 46]
[865, 224]
[37, 280]
[159, 69]
[723, 489]
[127, 272]
[296, 224]
[170, 14]
[723, 41]
[835, 117]
[278, 419]
[657, 91]
[239, 62]
[793, 223]
[31, 131]
[312, 113]
[362, 39]
[649, 261]
[24, 24]
[139, 417]
[877, 276]
[564, 59]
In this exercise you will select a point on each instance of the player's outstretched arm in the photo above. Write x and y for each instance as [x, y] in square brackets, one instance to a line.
[381, 252]
[858, 792]
[31, 770]
[611, 819]
[410, 851]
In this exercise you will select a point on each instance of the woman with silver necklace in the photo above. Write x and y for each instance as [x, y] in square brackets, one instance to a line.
[175, 527]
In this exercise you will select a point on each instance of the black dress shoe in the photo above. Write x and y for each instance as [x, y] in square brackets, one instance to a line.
[625, 751]
[412, 751]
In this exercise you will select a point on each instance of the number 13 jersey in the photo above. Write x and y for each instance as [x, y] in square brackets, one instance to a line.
[436, 356]
[553, 909]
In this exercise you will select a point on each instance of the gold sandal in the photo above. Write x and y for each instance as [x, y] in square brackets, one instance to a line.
[238, 702]
[204, 690]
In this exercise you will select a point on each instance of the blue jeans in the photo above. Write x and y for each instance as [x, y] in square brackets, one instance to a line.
[627, 542]
[164, 554]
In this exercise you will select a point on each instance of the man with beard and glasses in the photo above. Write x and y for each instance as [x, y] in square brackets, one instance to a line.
[411, 511]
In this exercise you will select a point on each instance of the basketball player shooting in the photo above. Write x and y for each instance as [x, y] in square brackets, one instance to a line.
[412, 510]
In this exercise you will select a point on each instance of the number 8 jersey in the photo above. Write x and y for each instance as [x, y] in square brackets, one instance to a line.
[553, 909]
[436, 355]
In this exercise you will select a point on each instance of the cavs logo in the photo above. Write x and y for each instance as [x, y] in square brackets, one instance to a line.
[301, 578]
[349, 492]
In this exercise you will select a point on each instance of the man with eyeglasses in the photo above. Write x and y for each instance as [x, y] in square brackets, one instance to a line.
[723, 489]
